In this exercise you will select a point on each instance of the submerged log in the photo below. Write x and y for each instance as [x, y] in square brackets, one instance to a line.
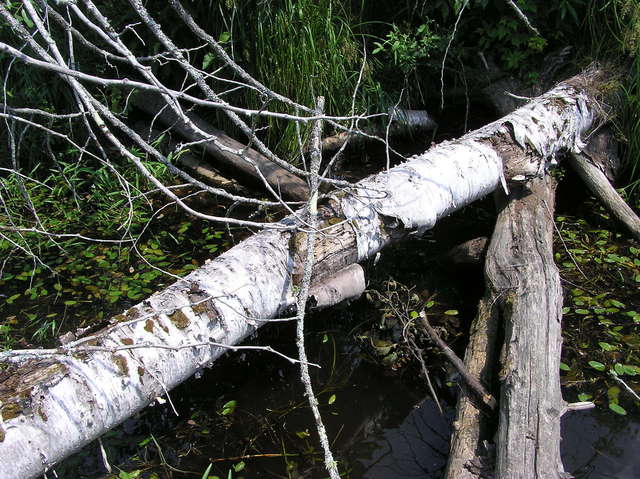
[84, 388]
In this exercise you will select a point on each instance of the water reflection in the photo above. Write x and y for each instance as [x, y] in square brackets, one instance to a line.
[600, 445]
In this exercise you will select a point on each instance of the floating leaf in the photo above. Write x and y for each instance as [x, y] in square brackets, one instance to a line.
[617, 409]
[228, 408]
[606, 346]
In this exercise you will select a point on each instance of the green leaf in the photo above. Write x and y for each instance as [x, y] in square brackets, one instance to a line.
[325, 338]
[584, 397]
[451, 312]
[617, 409]
[206, 61]
[413, 314]
[224, 37]
[607, 346]
[565, 367]
[229, 408]
[597, 365]
[429, 304]
[239, 466]
[11, 299]
[27, 20]
[332, 399]
[619, 369]
[205, 474]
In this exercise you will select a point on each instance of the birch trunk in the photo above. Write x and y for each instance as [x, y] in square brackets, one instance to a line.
[90, 386]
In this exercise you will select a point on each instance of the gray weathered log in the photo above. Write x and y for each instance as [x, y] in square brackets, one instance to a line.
[234, 157]
[524, 278]
[85, 388]
[468, 459]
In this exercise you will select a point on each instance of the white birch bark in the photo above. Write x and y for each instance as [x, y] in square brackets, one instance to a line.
[53, 406]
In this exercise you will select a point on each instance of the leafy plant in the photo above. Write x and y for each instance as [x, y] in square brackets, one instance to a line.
[409, 49]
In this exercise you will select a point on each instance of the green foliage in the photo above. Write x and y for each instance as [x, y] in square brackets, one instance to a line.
[615, 27]
[407, 50]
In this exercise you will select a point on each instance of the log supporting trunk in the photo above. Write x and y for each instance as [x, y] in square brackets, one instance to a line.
[469, 456]
[523, 276]
[83, 389]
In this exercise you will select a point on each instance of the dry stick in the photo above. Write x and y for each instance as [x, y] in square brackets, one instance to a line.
[316, 158]
[470, 380]
[523, 17]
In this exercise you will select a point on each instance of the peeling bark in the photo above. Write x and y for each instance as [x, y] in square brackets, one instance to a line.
[80, 393]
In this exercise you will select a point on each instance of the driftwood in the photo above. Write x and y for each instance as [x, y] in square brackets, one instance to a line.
[525, 295]
[232, 156]
[81, 390]
[597, 166]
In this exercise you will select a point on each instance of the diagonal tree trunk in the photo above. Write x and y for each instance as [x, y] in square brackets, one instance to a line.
[87, 387]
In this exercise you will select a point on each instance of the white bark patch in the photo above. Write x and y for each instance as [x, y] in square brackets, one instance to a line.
[419, 192]
[552, 123]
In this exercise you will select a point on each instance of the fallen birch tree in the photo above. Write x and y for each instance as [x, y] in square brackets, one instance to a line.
[82, 389]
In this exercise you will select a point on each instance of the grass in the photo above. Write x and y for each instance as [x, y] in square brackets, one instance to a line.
[301, 49]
